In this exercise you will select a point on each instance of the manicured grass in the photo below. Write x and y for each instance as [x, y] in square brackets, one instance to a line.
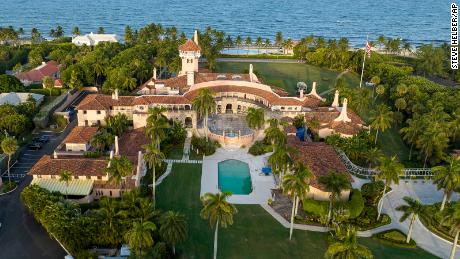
[286, 75]
[254, 234]
[194, 156]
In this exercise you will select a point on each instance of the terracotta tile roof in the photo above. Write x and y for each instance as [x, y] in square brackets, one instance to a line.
[327, 115]
[161, 99]
[80, 135]
[77, 166]
[190, 45]
[131, 142]
[37, 74]
[178, 82]
[319, 157]
[58, 83]
[103, 102]
[271, 97]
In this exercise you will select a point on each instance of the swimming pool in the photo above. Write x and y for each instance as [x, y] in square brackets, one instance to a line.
[234, 177]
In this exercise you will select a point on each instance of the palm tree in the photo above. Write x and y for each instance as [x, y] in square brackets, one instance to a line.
[259, 43]
[75, 31]
[348, 247]
[381, 119]
[288, 45]
[204, 104]
[101, 30]
[412, 207]
[157, 124]
[412, 131]
[381, 40]
[255, 118]
[173, 229]
[238, 41]
[109, 213]
[279, 39]
[275, 135]
[280, 161]
[153, 157]
[334, 183]
[372, 156]
[65, 176]
[389, 170]
[9, 147]
[297, 184]
[140, 235]
[432, 140]
[452, 218]
[219, 212]
[119, 168]
[447, 177]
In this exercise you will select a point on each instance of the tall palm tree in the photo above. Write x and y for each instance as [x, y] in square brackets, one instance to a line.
[119, 169]
[204, 105]
[372, 156]
[433, 140]
[453, 219]
[348, 247]
[288, 45]
[153, 156]
[255, 118]
[259, 43]
[9, 147]
[447, 177]
[297, 185]
[65, 176]
[219, 212]
[140, 235]
[389, 170]
[157, 124]
[238, 41]
[381, 119]
[280, 161]
[412, 207]
[275, 135]
[412, 131]
[109, 213]
[334, 183]
[173, 228]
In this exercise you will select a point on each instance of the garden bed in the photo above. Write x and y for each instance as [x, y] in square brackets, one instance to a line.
[432, 220]
[7, 187]
[395, 237]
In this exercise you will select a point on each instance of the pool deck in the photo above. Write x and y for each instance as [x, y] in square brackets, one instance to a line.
[262, 185]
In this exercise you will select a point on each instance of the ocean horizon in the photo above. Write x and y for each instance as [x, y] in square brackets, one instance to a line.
[418, 22]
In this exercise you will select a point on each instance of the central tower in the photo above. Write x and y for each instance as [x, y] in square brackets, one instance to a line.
[190, 52]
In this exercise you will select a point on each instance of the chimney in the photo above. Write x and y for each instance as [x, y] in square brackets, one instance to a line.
[55, 154]
[195, 37]
[110, 158]
[190, 78]
[251, 72]
[140, 164]
[343, 112]
[154, 73]
[313, 89]
[301, 93]
[116, 146]
[335, 103]
[115, 94]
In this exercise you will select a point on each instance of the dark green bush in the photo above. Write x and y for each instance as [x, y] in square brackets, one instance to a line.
[60, 121]
[372, 192]
[259, 148]
[92, 154]
[356, 203]
[318, 208]
[204, 147]
[54, 91]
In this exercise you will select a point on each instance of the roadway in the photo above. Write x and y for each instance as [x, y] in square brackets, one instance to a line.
[21, 236]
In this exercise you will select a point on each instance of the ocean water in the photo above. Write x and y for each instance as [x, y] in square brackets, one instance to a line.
[421, 21]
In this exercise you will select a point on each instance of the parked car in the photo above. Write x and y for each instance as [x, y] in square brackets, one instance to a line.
[35, 146]
[44, 139]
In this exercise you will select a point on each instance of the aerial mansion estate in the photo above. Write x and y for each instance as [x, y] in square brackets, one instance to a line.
[233, 95]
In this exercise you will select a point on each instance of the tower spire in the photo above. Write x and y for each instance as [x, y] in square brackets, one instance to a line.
[343, 113]
[195, 37]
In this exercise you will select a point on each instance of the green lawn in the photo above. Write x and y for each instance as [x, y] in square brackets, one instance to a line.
[254, 234]
[286, 75]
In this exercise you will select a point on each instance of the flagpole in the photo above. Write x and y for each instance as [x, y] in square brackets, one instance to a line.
[364, 61]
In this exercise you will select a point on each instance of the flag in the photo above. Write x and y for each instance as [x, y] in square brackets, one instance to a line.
[368, 49]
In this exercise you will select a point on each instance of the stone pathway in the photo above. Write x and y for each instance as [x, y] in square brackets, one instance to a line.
[186, 153]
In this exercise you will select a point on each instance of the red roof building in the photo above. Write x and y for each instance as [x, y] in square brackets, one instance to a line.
[36, 75]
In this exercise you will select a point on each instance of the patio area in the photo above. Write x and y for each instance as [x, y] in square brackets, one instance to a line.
[261, 184]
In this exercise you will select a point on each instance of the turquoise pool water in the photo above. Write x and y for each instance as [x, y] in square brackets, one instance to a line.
[234, 177]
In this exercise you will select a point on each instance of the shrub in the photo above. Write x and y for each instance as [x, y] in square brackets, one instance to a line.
[54, 91]
[205, 147]
[318, 208]
[92, 154]
[395, 237]
[60, 121]
[260, 148]
[372, 192]
[356, 203]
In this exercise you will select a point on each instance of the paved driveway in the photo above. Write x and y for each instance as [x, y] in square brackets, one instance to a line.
[21, 236]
